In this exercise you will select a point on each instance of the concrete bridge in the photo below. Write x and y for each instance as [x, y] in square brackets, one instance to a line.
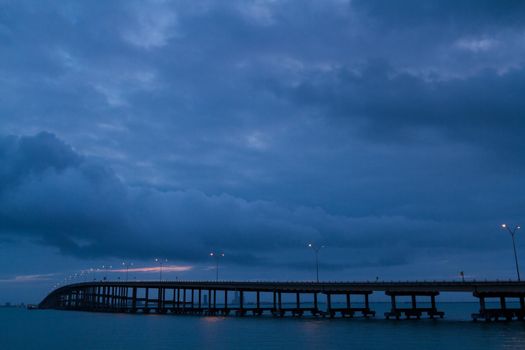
[325, 299]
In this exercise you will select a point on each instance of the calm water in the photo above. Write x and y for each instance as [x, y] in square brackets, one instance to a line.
[22, 329]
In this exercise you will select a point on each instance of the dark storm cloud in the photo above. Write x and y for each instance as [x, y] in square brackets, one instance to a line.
[81, 207]
[486, 110]
[70, 202]
[470, 13]
[30, 156]
[362, 262]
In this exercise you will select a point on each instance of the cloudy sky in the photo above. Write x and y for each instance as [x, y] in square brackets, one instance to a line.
[391, 132]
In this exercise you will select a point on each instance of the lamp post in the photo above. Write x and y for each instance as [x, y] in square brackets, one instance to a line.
[106, 268]
[512, 234]
[216, 256]
[316, 250]
[127, 265]
[93, 270]
[161, 262]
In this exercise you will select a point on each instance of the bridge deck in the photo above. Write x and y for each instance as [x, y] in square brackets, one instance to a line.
[333, 287]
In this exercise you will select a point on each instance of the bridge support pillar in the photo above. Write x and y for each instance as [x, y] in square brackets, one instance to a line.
[277, 309]
[315, 310]
[350, 310]
[99, 297]
[329, 305]
[106, 297]
[413, 310]
[209, 302]
[134, 300]
[502, 312]
[226, 310]
[258, 310]
[146, 302]
[242, 312]
[162, 300]
[280, 303]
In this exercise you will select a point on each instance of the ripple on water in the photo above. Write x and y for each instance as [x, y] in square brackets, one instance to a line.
[22, 329]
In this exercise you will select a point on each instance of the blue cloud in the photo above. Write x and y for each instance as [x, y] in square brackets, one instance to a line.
[144, 128]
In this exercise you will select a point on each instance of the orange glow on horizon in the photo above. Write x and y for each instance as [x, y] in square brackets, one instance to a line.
[167, 268]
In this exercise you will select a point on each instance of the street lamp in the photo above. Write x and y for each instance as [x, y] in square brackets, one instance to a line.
[106, 268]
[216, 256]
[127, 265]
[512, 234]
[93, 271]
[161, 262]
[316, 251]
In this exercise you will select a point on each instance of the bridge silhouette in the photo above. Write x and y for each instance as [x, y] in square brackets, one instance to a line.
[215, 298]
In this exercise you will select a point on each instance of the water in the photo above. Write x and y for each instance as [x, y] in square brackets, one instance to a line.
[39, 329]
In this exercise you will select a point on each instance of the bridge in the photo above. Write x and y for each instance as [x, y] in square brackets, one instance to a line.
[319, 299]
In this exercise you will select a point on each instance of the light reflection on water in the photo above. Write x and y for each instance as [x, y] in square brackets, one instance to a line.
[22, 329]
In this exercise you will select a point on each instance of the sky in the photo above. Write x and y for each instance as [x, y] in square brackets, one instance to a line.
[391, 133]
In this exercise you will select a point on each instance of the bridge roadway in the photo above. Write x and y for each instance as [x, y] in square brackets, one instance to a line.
[201, 297]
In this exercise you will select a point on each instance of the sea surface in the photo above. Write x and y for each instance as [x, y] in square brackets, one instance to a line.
[48, 329]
